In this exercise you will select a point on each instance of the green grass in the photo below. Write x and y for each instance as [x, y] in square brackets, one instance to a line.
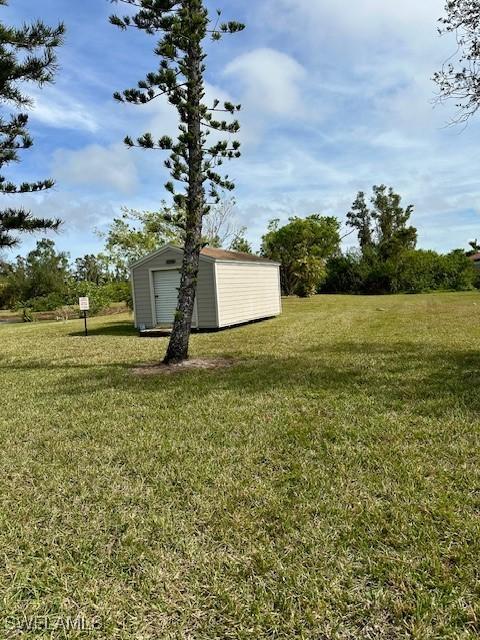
[326, 487]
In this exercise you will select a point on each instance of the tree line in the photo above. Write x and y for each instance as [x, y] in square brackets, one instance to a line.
[46, 279]
[309, 250]
[386, 261]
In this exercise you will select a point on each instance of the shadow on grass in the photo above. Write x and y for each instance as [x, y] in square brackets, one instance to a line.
[123, 328]
[402, 377]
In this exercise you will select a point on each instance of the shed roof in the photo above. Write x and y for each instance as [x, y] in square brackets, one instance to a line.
[475, 257]
[235, 256]
[210, 254]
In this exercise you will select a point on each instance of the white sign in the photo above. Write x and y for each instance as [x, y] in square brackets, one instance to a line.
[84, 304]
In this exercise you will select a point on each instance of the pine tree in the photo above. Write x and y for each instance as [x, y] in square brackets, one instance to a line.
[360, 218]
[27, 54]
[182, 27]
[391, 219]
[382, 230]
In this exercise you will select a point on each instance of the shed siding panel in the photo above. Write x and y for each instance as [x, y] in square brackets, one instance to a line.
[141, 292]
[247, 292]
[206, 304]
[206, 300]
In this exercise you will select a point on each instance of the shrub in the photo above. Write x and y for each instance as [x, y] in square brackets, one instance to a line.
[344, 275]
[119, 292]
[412, 271]
[8, 296]
[98, 297]
[457, 272]
[377, 274]
[309, 272]
[27, 315]
[416, 271]
[46, 303]
[302, 247]
[419, 271]
[354, 273]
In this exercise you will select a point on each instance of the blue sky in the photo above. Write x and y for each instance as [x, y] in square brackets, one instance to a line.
[337, 96]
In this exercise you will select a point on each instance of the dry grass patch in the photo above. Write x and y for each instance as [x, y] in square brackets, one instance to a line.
[192, 364]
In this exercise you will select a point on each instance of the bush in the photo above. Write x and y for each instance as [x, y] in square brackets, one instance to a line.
[309, 272]
[457, 272]
[413, 271]
[417, 271]
[378, 276]
[118, 292]
[98, 297]
[344, 275]
[27, 315]
[354, 273]
[46, 303]
[302, 247]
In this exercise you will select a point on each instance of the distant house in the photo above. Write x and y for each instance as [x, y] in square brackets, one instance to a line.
[233, 288]
[475, 258]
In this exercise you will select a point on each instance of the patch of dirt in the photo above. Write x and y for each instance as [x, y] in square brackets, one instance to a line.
[147, 370]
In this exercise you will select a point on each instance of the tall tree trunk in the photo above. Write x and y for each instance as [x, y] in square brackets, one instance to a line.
[184, 25]
[179, 341]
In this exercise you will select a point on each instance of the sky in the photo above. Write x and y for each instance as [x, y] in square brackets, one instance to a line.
[337, 96]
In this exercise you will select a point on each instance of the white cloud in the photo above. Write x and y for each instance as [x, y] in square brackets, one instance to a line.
[110, 167]
[79, 213]
[335, 20]
[383, 51]
[56, 108]
[270, 81]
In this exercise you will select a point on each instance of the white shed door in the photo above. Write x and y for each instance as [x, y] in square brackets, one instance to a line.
[165, 289]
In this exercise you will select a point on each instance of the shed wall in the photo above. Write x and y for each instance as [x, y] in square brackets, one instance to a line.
[206, 302]
[206, 298]
[247, 291]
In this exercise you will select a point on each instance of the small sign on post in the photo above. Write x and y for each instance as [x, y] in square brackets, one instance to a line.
[84, 304]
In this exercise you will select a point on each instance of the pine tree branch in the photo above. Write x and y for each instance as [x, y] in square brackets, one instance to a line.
[27, 54]
[20, 220]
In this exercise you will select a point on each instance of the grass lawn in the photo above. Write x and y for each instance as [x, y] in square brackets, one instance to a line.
[325, 487]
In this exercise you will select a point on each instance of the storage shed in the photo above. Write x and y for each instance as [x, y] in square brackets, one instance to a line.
[233, 288]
